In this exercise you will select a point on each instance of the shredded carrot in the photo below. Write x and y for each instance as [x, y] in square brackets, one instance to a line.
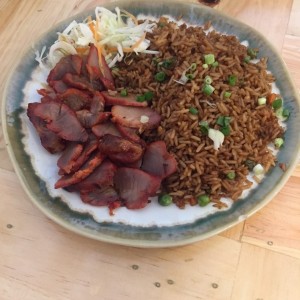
[271, 98]
[135, 45]
[81, 50]
[99, 55]
[134, 19]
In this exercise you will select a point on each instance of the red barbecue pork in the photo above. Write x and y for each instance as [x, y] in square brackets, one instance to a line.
[101, 177]
[120, 149]
[49, 140]
[68, 64]
[98, 69]
[157, 161]
[124, 101]
[105, 128]
[135, 117]
[69, 157]
[61, 120]
[75, 99]
[78, 82]
[135, 186]
[100, 196]
[91, 164]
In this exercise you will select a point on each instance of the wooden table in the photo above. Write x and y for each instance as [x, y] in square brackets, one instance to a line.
[258, 259]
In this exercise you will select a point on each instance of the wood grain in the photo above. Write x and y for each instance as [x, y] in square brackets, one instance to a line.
[257, 259]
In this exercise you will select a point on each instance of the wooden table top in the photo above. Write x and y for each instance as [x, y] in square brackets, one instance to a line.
[259, 259]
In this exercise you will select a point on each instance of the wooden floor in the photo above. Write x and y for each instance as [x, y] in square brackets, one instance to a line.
[257, 260]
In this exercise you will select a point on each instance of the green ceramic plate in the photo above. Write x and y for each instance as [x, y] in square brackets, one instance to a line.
[153, 226]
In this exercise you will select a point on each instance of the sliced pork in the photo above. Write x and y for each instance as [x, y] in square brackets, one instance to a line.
[69, 156]
[100, 196]
[124, 101]
[75, 99]
[68, 64]
[135, 117]
[91, 164]
[157, 161]
[49, 140]
[120, 149]
[135, 187]
[61, 120]
[105, 128]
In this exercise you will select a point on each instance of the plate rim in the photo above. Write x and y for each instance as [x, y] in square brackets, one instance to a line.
[137, 242]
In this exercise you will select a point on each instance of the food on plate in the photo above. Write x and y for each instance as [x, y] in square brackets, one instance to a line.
[138, 107]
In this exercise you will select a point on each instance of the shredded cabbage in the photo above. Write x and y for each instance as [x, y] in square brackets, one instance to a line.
[109, 32]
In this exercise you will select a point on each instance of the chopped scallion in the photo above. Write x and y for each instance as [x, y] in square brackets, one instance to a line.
[223, 121]
[193, 67]
[190, 76]
[258, 169]
[247, 59]
[160, 76]
[204, 127]
[227, 94]
[277, 103]
[193, 110]
[215, 64]
[205, 66]
[123, 93]
[230, 175]
[262, 101]
[225, 130]
[148, 96]
[209, 59]
[208, 89]
[252, 52]
[208, 79]
[140, 98]
[286, 113]
[232, 80]
[278, 142]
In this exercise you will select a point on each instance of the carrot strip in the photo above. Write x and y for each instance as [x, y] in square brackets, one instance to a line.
[134, 19]
[271, 98]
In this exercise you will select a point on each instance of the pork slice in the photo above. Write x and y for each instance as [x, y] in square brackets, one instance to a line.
[47, 92]
[124, 101]
[135, 187]
[68, 64]
[67, 160]
[105, 128]
[99, 71]
[135, 117]
[88, 149]
[101, 177]
[98, 103]
[77, 81]
[75, 99]
[90, 165]
[120, 149]
[88, 119]
[129, 133]
[58, 86]
[100, 196]
[49, 140]
[157, 161]
[61, 120]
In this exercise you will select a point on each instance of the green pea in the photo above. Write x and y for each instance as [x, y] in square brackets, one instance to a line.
[203, 200]
[165, 200]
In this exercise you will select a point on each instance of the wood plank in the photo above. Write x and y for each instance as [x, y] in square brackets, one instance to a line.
[269, 17]
[294, 24]
[291, 56]
[235, 232]
[94, 269]
[277, 225]
[263, 274]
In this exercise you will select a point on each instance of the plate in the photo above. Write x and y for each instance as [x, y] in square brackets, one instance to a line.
[132, 230]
